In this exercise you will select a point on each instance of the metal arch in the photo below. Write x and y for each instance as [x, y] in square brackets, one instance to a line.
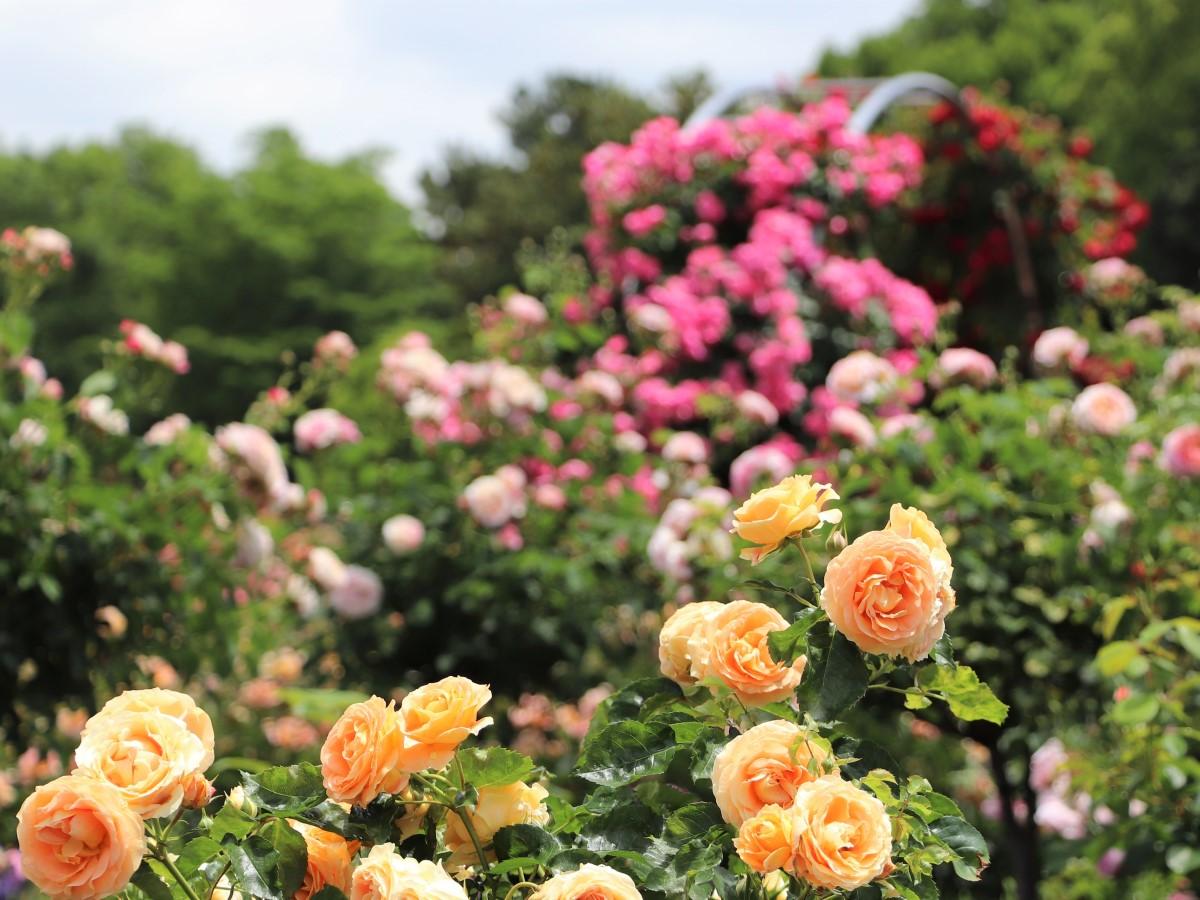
[722, 102]
[867, 113]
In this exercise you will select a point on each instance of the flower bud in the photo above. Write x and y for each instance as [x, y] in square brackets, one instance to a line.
[238, 800]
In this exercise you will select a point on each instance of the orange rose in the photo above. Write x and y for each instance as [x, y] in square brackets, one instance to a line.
[788, 509]
[79, 839]
[329, 858]
[197, 791]
[910, 522]
[438, 717]
[589, 882]
[673, 656]
[500, 805]
[149, 757]
[766, 842]
[843, 835]
[169, 703]
[386, 875]
[764, 766]
[732, 647]
[361, 756]
[886, 593]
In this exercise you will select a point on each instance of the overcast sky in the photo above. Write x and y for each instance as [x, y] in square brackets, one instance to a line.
[350, 74]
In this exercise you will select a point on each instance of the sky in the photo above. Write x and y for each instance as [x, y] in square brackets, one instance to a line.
[347, 75]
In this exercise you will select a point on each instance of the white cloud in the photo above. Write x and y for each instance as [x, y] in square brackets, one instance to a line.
[350, 74]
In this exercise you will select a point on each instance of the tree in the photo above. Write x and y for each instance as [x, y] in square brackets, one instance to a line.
[1125, 71]
[484, 209]
[240, 268]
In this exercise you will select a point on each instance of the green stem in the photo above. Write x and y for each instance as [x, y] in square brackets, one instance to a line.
[466, 818]
[161, 854]
[812, 577]
[520, 885]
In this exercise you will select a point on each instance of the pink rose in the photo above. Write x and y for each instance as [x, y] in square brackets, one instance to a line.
[1181, 451]
[861, 377]
[403, 534]
[852, 426]
[358, 595]
[685, 447]
[1103, 409]
[334, 348]
[1059, 348]
[322, 428]
[526, 310]
[962, 365]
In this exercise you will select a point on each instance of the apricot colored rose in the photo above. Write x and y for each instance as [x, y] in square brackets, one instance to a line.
[790, 508]
[79, 839]
[438, 717]
[500, 805]
[362, 753]
[732, 648]
[149, 757]
[766, 841]
[386, 875]
[843, 836]
[197, 791]
[910, 522]
[329, 861]
[673, 657]
[170, 703]
[885, 593]
[589, 882]
[765, 765]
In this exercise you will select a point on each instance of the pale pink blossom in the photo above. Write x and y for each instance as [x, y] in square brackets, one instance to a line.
[403, 534]
[335, 348]
[852, 426]
[168, 430]
[685, 447]
[962, 365]
[319, 429]
[1181, 451]
[550, 496]
[526, 310]
[100, 412]
[1103, 409]
[255, 457]
[325, 568]
[1059, 348]
[492, 501]
[29, 433]
[754, 407]
[1145, 328]
[861, 377]
[358, 595]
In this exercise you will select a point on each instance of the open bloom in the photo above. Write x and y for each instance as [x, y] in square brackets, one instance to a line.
[1181, 451]
[328, 865]
[361, 756]
[886, 593]
[731, 647]
[79, 839]
[790, 508]
[1103, 409]
[589, 882]
[843, 835]
[321, 428]
[674, 657]
[498, 806]
[171, 703]
[386, 875]
[764, 765]
[437, 717]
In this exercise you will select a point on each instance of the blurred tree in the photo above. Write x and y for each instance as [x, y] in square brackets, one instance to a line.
[240, 269]
[1126, 71]
[482, 210]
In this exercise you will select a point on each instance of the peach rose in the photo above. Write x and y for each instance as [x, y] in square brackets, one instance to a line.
[861, 377]
[843, 835]
[148, 756]
[790, 508]
[329, 860]
[764, 766]
[79, 839]
[766, 841]
[1103, 409]
[500, 805]
[673, 657]
[437, 717]
[197, 791]
[732, 648]
[386, 875]
[362, 753]
[589, 882]
[910, 522]
[885, 593]
[170, 703]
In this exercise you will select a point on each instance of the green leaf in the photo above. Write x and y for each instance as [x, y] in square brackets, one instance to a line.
[1136, 710]
[146, 880]
[788, 645]
[638, 700]
[286, 790]
[329, 892]
[943, 651]
[1115, 658]
[627, 751]
[292, 853]
[696, 820]
[321, 706]
[628, 826]
[961, 837]
[254, 865]
[196, 853]
[969, 698]
[1189, 639]
[99, 382]
[231, 821]
[494, 766]
[525, 841]
[845, 678]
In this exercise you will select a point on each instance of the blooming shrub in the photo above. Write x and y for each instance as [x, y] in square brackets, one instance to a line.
[713, 780]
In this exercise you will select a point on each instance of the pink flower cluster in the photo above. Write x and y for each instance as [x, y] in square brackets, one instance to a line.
[318, 429]
[142, 341]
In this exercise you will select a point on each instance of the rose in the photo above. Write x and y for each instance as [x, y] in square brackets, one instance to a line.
[910, 522]
[525, 309]
[325, 568]
[843, 835]
[386, 875]
[1103, 409]
[437, 717]
[497, 807]
[79, 839]
[358, 595]
[170, 703]
[1059, 348]
[329, 857]
[753, 406]
[674, 658]
[766, 841]
[764, 766]
[197, 791]
[361, 756]
[861, 377]
[403, 534]
[335, 347]
[885, 593]
[167, 431]
[732, 648]
[852, 426]
[492, 501]
[318, 429]
[589, 882]
[962, 365]
[771, 516]
[1181, 451]
[685, 447]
